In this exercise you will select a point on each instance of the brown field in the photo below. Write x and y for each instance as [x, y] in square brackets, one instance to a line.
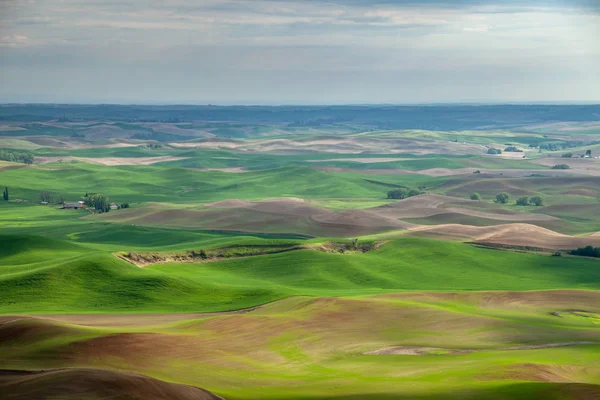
[574, 163]
[517, 187]
[510, 154]
[287, 215]
[6, 165]
[95, 356]
[176, 130]
[363, 160]
[5, 127]
[109, 161]
[93, 384]
[436, 172]
[295, 216]
[230, 169]
[581, 192]
[428, 205]
[242, 341]
[509, 234]
[345, 145]
[468, 172]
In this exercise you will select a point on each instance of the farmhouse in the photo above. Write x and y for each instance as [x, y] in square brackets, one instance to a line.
[113, 206]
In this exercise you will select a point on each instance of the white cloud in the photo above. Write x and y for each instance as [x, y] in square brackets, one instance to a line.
[14, 40]
[478, 28]
[225, 37]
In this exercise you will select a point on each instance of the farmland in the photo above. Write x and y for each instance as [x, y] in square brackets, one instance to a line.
[265, 260]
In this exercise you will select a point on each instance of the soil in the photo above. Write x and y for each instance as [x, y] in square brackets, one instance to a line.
[93, 384]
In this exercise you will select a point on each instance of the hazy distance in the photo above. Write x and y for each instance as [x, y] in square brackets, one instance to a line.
[299, 52]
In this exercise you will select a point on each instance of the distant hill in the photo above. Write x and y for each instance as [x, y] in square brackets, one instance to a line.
[434, 117]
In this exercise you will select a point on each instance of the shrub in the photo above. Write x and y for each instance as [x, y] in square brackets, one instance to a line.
[492, 150]
[403, 193]
[475, 196]
[502, 198]
[536, 201]
[567, 155]
[561, 166]
[413, 192]
[523, 201]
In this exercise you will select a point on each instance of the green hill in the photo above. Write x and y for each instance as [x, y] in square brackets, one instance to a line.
[173, 184]
[47, 276]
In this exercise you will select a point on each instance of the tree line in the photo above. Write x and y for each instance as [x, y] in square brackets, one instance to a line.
[504, 198]
[22, 157]
[403, 193]
[554, 146]
[587, 251]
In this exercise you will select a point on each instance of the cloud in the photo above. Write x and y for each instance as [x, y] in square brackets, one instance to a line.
[179, 41]
[14, 40]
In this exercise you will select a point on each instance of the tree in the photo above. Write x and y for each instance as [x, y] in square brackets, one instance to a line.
[397, 194]
[502, 198]
[513, 149]
[45, 197]
[97, 201]
[60, 200]
[5, 194]
[475, 196]
[125, 205]
[536, 201]
[101, 203]
[16, 156]
[588, 153]
[403, 193]
[567, 155]
[561, 166]
[587, 251]
[523, 201]
[492, 150]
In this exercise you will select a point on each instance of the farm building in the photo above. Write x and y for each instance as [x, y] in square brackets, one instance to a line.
[113, 206]
[70, 206]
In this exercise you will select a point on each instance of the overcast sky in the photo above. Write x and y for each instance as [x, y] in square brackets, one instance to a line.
[300, 52]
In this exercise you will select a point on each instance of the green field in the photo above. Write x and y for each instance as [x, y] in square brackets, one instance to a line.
[314, 348]
[65, 277]
[413, 314]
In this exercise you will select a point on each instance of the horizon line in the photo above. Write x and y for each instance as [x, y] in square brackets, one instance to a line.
[259, 104]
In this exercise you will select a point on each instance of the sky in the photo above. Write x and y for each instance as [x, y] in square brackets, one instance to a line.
[299, 52]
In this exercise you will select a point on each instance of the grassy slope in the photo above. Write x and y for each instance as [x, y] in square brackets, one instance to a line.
[309, 349]
[42, 275]
[160, 183]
